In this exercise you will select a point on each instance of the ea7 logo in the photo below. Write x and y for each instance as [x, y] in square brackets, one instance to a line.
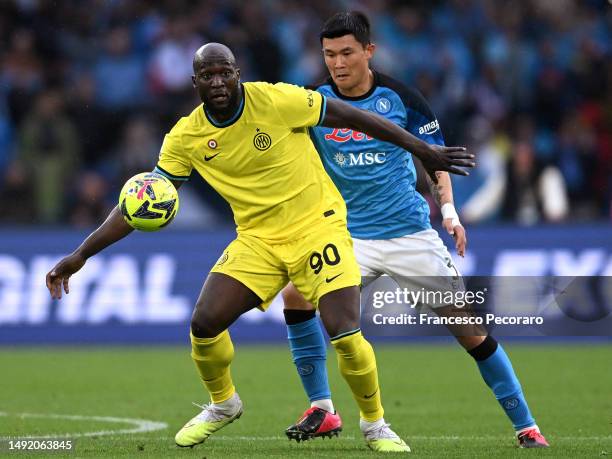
[344, 135]
[429, 128]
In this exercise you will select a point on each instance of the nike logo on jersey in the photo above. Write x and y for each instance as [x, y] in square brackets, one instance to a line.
[330, 279]
[208, 158]
[371, 395]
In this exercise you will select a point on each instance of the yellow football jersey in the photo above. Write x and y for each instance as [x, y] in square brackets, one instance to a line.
[261, 161]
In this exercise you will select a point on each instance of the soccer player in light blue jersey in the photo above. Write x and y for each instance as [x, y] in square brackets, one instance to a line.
[389, 222]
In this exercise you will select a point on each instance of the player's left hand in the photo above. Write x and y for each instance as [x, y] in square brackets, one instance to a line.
[458, 234]
[449, 159]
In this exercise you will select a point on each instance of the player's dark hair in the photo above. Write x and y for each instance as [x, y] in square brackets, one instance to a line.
[347, 23]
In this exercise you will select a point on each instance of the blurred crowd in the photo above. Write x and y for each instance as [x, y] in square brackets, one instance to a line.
[88, 88]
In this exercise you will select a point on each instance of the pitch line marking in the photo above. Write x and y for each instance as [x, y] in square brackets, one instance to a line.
[411, 437]
[139, 425]
[407, 437]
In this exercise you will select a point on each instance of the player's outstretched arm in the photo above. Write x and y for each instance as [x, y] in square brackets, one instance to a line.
[433, 157]
[112, 230]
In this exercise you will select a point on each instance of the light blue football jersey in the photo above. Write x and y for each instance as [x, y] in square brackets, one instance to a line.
[378, 179]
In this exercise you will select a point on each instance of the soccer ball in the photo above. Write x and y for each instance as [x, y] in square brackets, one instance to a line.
[148, 201]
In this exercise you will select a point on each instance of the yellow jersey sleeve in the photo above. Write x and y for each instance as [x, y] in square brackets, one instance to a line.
[298, 107]
[174, 160]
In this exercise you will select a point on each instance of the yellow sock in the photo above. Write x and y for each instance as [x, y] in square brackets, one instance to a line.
[357, 365]
[212, 358]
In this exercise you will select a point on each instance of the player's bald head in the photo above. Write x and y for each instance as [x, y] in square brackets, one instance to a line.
[213, 53]
[217, 79]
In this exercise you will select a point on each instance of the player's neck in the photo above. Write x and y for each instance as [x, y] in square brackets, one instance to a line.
[222, 116]
[361, 88]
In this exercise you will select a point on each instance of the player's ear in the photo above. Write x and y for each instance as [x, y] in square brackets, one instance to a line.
[369, 49]
[193, 80]
[238, 74]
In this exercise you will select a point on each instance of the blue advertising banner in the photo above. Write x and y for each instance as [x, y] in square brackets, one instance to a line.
[142, 289]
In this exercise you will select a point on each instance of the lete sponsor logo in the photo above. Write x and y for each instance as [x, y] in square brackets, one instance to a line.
[344, 135]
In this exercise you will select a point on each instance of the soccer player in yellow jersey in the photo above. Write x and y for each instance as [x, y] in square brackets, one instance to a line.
[250, 142]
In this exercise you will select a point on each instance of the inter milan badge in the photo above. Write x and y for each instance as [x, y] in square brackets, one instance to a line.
[383, 105]
[222, 259]
[212, 144]
[262, 141]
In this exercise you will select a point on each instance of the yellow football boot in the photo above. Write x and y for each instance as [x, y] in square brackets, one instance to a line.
[212, 418]
[379, 437]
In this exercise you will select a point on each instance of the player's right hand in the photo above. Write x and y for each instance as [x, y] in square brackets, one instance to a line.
[458, 233]
[61, 272]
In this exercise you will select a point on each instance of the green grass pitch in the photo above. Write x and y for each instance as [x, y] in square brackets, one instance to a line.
[433, 395]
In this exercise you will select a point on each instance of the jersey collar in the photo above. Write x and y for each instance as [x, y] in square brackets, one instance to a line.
[363, 96]
[233, 119]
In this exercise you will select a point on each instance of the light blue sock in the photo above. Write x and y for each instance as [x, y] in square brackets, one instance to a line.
[499, 375]
[309, 352]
